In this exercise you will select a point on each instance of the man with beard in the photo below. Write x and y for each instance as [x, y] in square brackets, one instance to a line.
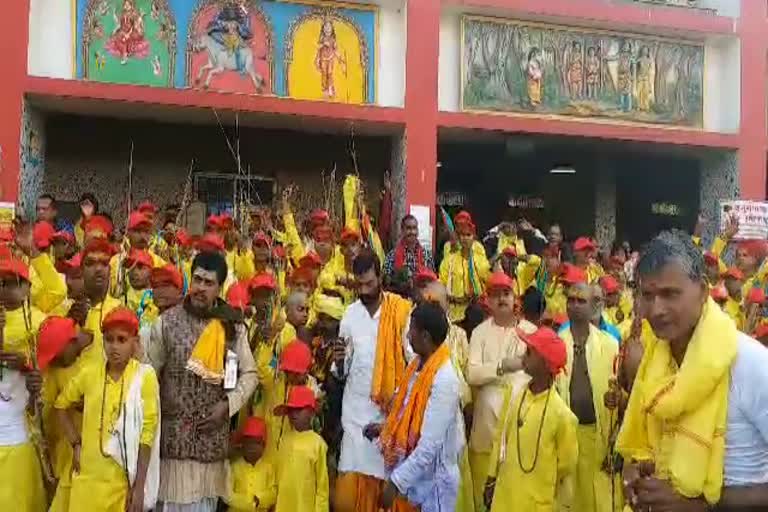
[409, 252]
[589, 369]
[207, 373]
[372, 360]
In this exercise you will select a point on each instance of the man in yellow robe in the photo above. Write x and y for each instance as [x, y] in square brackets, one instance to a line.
[464, 270]
[589, 370]
[535, 447]
[495, 363]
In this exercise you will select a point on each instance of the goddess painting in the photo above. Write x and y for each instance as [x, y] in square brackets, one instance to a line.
[128, 40]
[534, 74]
[644, 87]
[327, 55]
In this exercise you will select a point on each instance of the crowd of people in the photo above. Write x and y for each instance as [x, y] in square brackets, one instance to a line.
[289, 362]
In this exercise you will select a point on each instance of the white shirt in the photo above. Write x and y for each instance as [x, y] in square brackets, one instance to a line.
[13, 428]
[746, 433]
[360, 331]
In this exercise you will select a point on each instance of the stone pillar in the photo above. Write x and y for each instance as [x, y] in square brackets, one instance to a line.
[32, 160]
[605, 206]
[398, 180]
[719, 180]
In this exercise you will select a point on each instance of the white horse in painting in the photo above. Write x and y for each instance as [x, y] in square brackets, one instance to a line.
[221, 60]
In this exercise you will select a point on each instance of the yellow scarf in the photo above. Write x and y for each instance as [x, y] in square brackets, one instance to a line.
[207, 358]
[389, 365]
[402, 429]
[677, 418]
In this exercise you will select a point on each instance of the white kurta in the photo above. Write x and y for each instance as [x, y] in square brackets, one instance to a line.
[360, 330]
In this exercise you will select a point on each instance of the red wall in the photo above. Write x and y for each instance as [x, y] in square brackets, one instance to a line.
[420, 119]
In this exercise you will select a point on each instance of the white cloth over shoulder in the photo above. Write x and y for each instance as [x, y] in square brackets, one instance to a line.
[128, 431]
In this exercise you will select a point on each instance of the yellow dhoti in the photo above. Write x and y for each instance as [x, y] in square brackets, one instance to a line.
[592, 486]
[356, 492]
[465, 501]
[22, 482]
[478, 463]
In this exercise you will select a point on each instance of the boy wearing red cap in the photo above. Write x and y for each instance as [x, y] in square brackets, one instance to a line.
[138, 293]
[464, 271]
[584, 251]
[302, 483]
[138, 237]
[535, 446]
[121, 416]
[254, 484]
[618, 304]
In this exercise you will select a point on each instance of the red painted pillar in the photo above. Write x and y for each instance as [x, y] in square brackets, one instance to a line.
[753, 148]
[14, 36]
[421, 70]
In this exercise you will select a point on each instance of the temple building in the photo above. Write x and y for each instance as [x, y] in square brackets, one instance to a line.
[614, 118]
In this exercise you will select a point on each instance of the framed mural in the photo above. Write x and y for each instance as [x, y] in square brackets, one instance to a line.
[306, 49]
[127, 41]
[521, 67]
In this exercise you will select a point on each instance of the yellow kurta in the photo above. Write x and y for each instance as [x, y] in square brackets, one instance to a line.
[457, 342]
[510, 241]
[734, 310]
[101, 484]
[557, 302]
[94, 353]
[302, 484]
[252, 481]
[114, 269]
[539, 489]
[48, 288]
[592, 486]
[455, 275]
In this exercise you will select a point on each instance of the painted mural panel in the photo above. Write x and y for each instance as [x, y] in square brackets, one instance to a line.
[307, 49]
[529, 68]
[129, 42]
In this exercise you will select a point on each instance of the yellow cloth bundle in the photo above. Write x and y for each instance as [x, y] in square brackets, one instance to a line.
[207, 358]
[349, 192]
[331, 306]
[677, 418]
[389, 364]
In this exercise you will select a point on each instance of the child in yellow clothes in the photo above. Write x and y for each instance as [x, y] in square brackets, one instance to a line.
[120, 425]
[254, 487]
[302, 483]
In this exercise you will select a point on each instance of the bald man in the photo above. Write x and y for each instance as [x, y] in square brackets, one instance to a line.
[591, 354]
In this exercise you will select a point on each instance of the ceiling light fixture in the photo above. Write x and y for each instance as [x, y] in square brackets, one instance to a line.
[562, 169]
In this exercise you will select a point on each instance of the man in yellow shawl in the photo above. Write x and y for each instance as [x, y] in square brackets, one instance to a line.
[423, 434]
[583, 385]
[673, 435]
[372, 360]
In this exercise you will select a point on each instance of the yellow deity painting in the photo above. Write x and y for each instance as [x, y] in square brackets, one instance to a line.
[328, 61]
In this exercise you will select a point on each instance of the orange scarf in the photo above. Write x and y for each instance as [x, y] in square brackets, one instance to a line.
[402, 429]
[389, 365]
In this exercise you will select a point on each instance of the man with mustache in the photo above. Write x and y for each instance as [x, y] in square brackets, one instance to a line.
[199, 389]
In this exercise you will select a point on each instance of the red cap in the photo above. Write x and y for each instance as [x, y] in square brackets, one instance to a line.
[560, 319]
[311, 259]
[237, 295]
[226, 221]
[500, 280]
[761, 331]
[260, 237]
[756, 296]
[147, 207]
[548, 344]
[296, 358]
[182, 238]
[42, 233]
[302, 274]
[138, 221]
[263, 280]
[121, 317]
[734, 273]
[99, 245]
[718, 293]
[253, 427]
[710, 258]
[72, 264]
[98, 226]
[318, 216]
[584, 244]
[510, 251]
[609, 284]
[7, 235]
[140, 258]
[14, 267]
[571, 274]
[63, 236]
[299, 397]
[214, 221]
[425, 275]
[167, 274]
[278, 252]
[463, 222]
[55, 333]
[211, 242]
[350, 235]
[755, 248]
[323, 233]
